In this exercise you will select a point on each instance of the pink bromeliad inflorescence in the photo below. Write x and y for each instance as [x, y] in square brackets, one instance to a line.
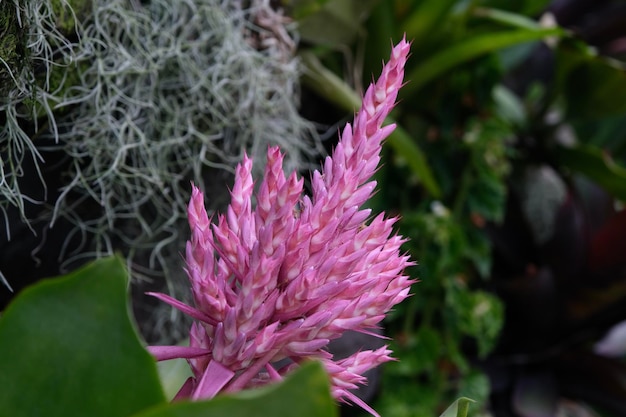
[274, 284]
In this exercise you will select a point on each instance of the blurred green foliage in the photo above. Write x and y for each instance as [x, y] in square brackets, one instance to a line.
[472, 119]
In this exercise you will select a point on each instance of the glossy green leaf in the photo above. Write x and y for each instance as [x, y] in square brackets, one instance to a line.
[68, 348]
[597, 165]
[305, 393]
[459, 408]
[469, 49]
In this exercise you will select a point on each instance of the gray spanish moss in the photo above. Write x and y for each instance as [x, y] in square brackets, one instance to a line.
[143, 98]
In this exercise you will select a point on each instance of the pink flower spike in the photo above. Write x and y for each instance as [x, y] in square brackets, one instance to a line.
[280, 280]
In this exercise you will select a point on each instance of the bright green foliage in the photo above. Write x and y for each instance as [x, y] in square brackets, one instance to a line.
[465, 139]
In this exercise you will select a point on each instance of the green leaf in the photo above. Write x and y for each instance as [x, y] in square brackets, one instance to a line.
[597, 165]
[68, 348]
[427, 18]
[469, 49]
[594, 87]
[514, 20]
[409, 150]
[300, 9]
[305, 393]
[459, 408]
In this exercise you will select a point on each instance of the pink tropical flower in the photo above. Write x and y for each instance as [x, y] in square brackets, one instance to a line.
[274, 284]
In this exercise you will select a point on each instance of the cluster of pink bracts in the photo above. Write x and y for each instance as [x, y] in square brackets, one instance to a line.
[283, 279]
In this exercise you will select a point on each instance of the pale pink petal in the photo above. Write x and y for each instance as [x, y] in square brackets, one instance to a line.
[163, 353]
[190, 311]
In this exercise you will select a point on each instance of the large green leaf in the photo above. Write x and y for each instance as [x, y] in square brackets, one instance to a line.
[469, 49]
[68, 348]
[305, 393]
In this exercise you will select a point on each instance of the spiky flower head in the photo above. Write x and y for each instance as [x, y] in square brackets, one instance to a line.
[274, 284]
